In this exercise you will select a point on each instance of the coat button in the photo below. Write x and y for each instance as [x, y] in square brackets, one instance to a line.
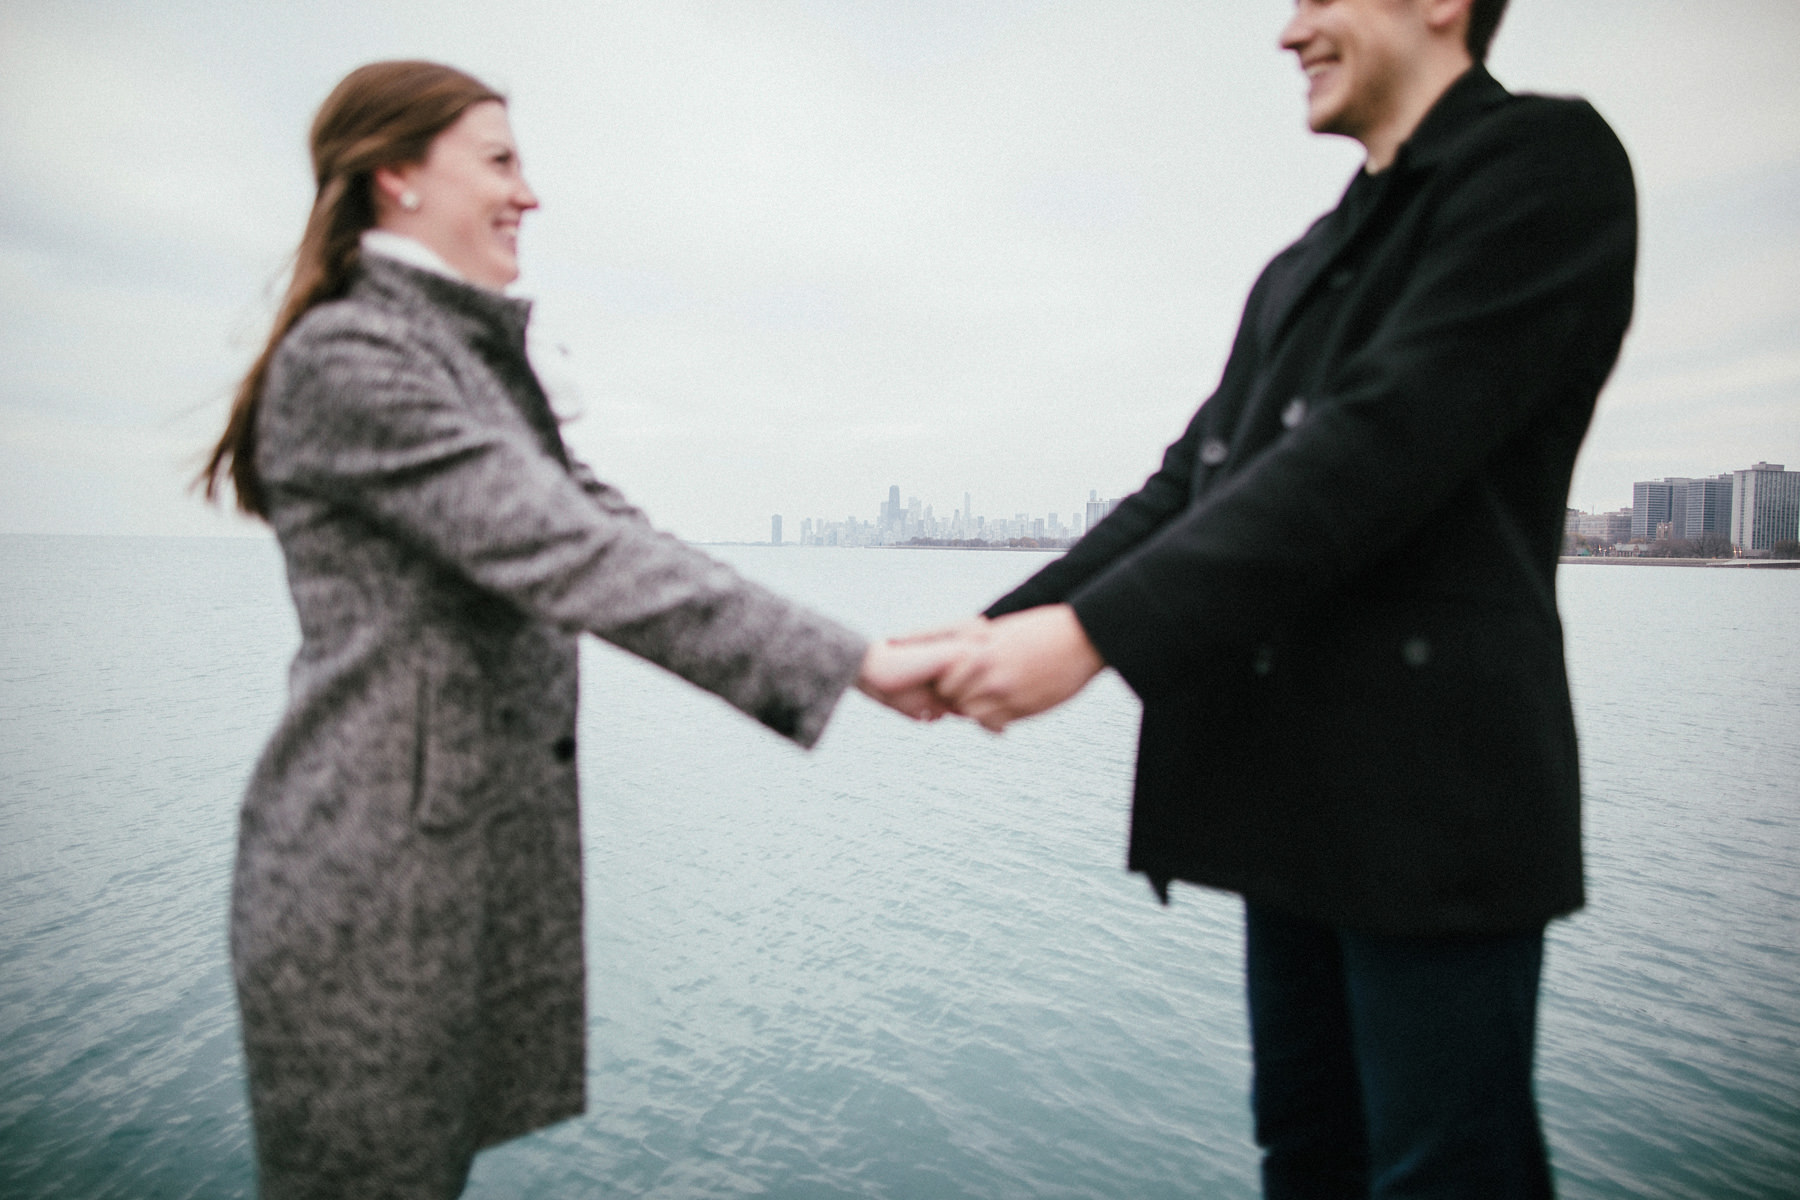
[1415, 652]
[1213, 452]
[1263, 661]
[563, 748]
[1294, 413]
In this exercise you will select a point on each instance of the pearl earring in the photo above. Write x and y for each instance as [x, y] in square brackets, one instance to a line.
[409, 200]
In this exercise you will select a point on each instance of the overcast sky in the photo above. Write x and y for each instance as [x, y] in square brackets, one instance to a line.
[792, 251]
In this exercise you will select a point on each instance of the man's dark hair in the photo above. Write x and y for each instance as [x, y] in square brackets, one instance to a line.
[1484, 18]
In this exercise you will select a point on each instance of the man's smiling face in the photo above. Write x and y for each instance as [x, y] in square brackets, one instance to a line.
[1355, 54]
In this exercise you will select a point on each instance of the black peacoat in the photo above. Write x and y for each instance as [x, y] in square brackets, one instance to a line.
[1336, 597]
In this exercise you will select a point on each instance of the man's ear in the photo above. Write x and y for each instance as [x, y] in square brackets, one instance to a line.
[1448, 17]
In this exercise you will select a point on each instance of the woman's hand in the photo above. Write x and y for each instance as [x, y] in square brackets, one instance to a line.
[902, 673]
[969, 628]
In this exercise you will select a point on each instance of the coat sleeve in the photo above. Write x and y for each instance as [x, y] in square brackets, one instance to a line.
[1136, 518]
[370, 423]
[1139, 516]
[1519, 300]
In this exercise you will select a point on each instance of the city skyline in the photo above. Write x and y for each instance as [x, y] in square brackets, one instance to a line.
[897, 521]
[1754, 507]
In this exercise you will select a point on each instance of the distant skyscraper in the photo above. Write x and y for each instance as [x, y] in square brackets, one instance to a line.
[1652, 504]
[774, 531]
[1765, 506]
[1690, 508]
[1707, 508]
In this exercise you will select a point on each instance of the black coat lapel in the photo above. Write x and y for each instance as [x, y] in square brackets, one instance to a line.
[1314, 255]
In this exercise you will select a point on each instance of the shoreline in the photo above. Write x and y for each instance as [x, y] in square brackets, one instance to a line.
[1766, 564]
[1002, 549]
[894, 546]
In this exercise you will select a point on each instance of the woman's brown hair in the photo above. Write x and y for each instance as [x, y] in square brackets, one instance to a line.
[382, 115]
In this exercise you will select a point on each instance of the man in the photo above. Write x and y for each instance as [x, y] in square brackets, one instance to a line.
[1336, 600]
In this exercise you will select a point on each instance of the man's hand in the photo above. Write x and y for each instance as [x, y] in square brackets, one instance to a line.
[1019, 665]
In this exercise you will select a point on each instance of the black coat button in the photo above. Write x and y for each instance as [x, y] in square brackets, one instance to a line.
[1294, 413]
[1213, 452]
[563, 748]
[1415, 652]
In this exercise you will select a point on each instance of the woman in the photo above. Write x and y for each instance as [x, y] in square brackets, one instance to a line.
[406, 911]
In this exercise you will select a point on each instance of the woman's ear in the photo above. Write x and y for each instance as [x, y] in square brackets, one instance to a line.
[391, 190]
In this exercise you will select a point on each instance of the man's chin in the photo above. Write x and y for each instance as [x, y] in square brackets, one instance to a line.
[1320, 117]
[1329, 119]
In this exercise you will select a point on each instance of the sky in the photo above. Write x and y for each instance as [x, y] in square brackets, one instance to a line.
[794, 251]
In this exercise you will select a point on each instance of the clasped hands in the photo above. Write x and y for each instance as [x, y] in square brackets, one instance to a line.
[992, 671]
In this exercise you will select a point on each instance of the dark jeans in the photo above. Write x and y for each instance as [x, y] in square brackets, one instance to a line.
[1393, 1066]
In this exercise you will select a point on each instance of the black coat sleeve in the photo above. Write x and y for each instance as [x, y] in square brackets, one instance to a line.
[1164, 495]
[1517, 300]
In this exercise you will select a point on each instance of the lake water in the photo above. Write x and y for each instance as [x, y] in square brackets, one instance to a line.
[906, 965]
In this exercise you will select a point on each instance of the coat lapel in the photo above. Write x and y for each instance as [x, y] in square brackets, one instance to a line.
[1314, 254]
[491, 324]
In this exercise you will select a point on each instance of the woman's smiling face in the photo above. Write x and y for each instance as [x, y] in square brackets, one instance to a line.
[470, 196]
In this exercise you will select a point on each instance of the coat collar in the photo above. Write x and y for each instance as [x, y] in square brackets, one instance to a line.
[490, 323]
[1473, 93]
[477, 313]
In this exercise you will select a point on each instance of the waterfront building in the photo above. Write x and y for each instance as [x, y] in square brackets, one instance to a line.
[1765, 507]
[774, 531]
[1707, 508]
[1691, 508]
[1604, 529]
[1653, 504]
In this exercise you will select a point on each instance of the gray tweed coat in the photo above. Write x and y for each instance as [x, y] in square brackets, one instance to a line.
[406, 912]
